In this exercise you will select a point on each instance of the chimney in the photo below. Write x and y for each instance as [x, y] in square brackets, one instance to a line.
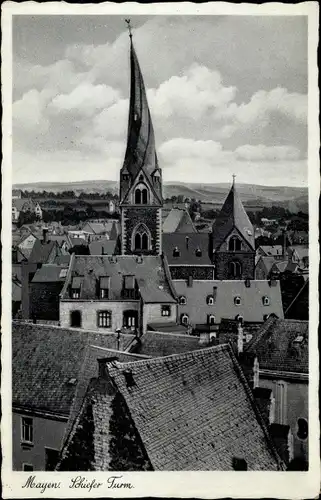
[44, 235]
[256, 373]
[240, 335]
[103, 372]
[102, 250]
[190, 281]
[284, 244]
[187, 241]
[118, 339]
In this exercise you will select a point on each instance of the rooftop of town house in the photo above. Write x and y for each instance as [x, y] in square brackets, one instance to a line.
[186, 249]
[148, 273]
[200, 400]
[252, 294]
[47, 358]
[282, 345]
[157, 344]
[178, 220]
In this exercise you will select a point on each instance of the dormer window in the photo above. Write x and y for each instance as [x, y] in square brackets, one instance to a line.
[104, 287]
[266, 301]
[176, 252]
[129, 287]
[210, 319]
[239, 318]
[184, 319]
[234, 244]
[141, 177]
[182, 300]
[75, 287]
[237, 301]
[210, 300]
[198, 252]
[141, 195]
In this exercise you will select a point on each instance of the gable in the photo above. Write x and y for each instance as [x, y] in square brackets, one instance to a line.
[143, 180]
[235, 232]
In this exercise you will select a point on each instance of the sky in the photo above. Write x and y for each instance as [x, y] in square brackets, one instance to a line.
[227, 94]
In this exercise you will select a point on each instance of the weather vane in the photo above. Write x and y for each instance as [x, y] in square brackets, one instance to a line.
[129, 27]
[233, 178]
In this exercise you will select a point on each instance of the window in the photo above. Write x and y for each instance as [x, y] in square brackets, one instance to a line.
[239, 464]
[104, 293]
[210, 300]
[182, 300]
[51, 457]
[26, 430]
[210, 319]
[234, 244]
[104, 286]
[237, 301]
[265, 317]
[176, 252]
[141, 195]
[166, 310]
[184, 319]
[235, 270]
[75, 293]
[75, 319]
[130, 319]
[266, 301]
[129, 287]
[239, 318]
[141, 239]
[303, 429]
[198, 252]
[27, 467]
[104, 319]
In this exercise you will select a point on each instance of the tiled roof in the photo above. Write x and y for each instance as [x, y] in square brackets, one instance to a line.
[187, 244]
[157, 344]
[45, 358]
[301, 250]
[178, 220]
[192, 411]
[100, 247]
[49, 273]
[267, 261]
[41, 251]
[99, 227]
[251, 306]
[62, 259]
[282, 345]
[149, 274]
[272, 249]
[232, 215]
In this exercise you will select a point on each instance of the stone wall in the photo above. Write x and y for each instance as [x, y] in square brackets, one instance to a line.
[222, 259]
[44, 300]
[149, 216]
[197, 272]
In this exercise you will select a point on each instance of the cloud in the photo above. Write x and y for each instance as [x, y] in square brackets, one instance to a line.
[180, 149]
[86, 99]
[28, 112]
[191, 95]
[263, 103]
[267, 153]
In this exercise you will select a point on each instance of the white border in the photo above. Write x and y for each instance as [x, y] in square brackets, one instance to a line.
[294, 485]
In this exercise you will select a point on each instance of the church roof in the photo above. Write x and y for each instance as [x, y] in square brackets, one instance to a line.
[232, 216]
[178, 220]
[140, 152]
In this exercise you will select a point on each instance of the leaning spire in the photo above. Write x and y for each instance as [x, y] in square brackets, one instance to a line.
[140, 151]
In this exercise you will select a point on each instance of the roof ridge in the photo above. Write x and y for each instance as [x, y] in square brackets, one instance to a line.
[127, 353]
[58, 327]
[181, 355]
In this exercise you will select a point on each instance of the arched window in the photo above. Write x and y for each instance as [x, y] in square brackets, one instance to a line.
[237, 301]
[141, 195]
[141, 238]
[234, 244]
[266, 301]
[235, 269]
[210, 300]
[184, 319]
[182, 300]
[210, 319]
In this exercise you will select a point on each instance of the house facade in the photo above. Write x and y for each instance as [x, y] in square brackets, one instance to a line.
[109, 293]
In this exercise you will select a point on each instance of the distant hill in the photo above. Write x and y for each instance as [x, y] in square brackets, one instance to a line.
[294, 198]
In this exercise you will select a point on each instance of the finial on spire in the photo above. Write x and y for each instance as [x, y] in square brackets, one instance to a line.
[233, 179]
[129, 28]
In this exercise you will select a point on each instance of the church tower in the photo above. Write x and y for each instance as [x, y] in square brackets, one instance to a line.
[233, 241]
[140, 176]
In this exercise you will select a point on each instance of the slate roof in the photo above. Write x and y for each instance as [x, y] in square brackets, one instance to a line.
[267, 261]
[301, 250]
[45, 358]
[187, 252]
[192, 411]
[41, 251]
[99, 227]
[299, 307]
[251, 307]
[276, 347]
[50, 273]
[157, 344]
[140, 151]
[150, 275]
[272, 249]
[99, 247]
[232, 215]
[178, 220]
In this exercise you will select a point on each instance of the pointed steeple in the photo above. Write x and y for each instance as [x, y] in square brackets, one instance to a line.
[232, 216]
[140, 153]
